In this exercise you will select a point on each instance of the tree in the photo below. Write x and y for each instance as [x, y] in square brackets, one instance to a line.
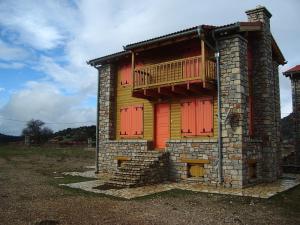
[37, 131]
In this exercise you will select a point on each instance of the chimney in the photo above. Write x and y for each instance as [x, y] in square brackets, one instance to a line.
[265, 111]
[260, 13]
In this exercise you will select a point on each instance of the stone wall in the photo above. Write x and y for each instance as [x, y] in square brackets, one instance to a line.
[252, 152]
[109, 150]
[264, 94]
[193, 149]
[296, 114]
[234, 107]
[277, 118]
[107, 102]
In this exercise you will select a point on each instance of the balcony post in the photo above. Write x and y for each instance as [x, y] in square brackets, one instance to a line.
[132, 69]
[203, 61]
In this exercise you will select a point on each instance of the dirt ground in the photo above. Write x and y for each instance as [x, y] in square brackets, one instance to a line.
[29, 194]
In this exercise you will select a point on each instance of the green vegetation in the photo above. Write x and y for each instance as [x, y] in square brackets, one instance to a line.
[66, 136]
[12, 151]
[37, 131]
[68, 179]
[76, 134]
[4, 139]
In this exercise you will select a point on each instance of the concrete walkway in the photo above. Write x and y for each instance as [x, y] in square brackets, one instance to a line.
[265, 190]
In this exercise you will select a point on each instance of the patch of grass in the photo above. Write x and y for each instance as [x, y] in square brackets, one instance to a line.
[7, 152]
[75, 192]
[68, 179]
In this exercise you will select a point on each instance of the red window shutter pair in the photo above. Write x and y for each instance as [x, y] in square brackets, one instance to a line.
[131, 121]
[125, 71]
[197, 117]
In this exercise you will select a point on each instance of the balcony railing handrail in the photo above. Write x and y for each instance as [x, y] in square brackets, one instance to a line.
[166, 62]
[174, 71]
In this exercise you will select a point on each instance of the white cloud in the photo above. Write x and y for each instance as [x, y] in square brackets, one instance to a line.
[8, 52]
[70, 77]
[13, 65]
[2, 89]
[45, 102]
[41, 25]
[84, 29]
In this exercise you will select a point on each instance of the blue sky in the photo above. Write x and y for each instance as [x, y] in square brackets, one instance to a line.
[44, 46]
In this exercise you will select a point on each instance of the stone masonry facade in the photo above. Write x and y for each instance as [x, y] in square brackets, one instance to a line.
[296, 114]
[266, 96]
[109, 148]
[261, 152]
[193, 149]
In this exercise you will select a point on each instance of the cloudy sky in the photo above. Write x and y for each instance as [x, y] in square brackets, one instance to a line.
[44, 46]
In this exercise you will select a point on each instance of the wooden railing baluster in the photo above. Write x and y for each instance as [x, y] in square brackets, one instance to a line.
[174, 71]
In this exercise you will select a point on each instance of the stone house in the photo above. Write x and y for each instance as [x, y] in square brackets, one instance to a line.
[294, 75]
[197, 105]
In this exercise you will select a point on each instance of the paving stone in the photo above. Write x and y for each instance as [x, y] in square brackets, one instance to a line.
[265, 190]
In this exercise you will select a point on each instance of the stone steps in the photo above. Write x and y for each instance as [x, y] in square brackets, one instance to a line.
[142, 169]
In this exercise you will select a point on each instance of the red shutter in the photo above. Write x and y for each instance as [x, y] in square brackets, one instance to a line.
[137, 120]
[124, 112]
[129, 74]
[192, 118]
[199, 117]
[188, 127]
[208, 116]
[204, 118]
[126, 78]
[128, 121]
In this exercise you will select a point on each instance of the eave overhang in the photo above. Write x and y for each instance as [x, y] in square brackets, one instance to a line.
[292, 72]
[108, 58]
[202, 32]
[277, 52]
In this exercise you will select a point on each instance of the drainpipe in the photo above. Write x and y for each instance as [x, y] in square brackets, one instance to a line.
[97, 123]
[220, 153]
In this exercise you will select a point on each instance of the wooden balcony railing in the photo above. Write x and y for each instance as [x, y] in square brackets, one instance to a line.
[173, 72]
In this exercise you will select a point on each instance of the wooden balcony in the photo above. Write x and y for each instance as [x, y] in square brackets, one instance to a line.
[174, 77]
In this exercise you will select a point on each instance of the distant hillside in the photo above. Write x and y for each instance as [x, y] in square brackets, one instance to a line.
[4, 139]
[287, 127]
[80, 134]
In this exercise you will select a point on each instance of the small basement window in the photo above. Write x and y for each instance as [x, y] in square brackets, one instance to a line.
[252, 167]
[195, 170]
[121, 160]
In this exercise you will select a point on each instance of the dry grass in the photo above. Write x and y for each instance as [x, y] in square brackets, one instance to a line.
[29, 194]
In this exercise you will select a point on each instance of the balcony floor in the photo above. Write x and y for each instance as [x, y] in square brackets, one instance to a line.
[176, 90]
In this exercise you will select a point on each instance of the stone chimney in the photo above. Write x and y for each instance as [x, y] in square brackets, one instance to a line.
[266, 95]
[260, 13]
